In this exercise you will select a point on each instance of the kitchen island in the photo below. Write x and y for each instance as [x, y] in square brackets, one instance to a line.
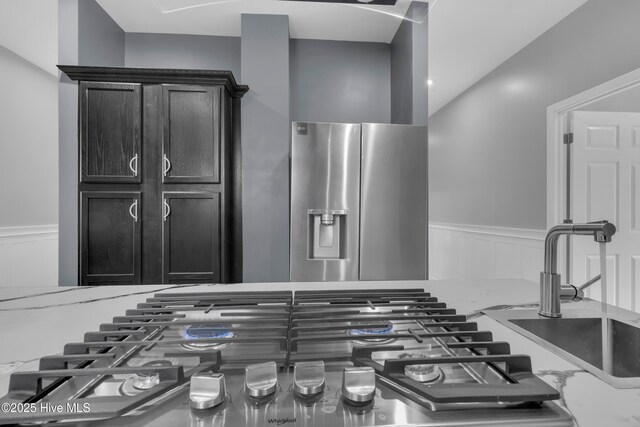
[37, 322]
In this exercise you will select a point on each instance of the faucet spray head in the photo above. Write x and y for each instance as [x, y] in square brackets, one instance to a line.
[604, 235]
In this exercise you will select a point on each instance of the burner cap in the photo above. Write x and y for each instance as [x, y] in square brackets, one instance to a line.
[384, 329]
[139, 382]
[201, 332]
[424, 372]
[207, 332]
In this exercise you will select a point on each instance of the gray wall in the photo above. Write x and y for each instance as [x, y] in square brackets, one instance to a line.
[334, 81]
[420, 68]
[28, 124]
[28, 143]
[409, 70]
[68, 146]
[265, 148]
[101, 40]
[182, 51]
[86, 36]
[488, 146]
[401, 75]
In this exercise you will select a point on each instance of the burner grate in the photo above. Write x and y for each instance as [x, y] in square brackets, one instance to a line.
[523, 385]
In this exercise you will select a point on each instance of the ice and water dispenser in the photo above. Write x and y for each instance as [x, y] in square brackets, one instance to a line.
[327, 234]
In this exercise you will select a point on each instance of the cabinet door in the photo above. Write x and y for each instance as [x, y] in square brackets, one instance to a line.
[110, 132]
[191, 237]
[110, 245]
[191, 134]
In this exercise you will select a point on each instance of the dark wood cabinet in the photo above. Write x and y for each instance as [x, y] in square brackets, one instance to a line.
[191, 134]
[191, 237]
[159, 186]
[110, 237]
[110, 132]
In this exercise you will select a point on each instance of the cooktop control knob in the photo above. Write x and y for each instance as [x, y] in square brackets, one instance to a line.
[308, 378]
[359, 384]
[261, 379]
[207, 390]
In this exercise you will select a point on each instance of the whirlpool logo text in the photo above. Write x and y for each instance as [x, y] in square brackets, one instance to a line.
[281, 421]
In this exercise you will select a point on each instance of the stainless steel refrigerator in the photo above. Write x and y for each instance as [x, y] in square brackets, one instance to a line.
[358, 202]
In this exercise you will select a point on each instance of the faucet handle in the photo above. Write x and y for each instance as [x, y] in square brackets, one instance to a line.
[589, 283]
[570, 293]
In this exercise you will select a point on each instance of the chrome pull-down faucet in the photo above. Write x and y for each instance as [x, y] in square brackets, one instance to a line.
[550, 286]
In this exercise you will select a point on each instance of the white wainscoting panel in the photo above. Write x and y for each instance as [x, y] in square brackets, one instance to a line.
[459, 251]
[29, 256]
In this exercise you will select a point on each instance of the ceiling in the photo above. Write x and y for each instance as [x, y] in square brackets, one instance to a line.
[467, 38]
[307, 20]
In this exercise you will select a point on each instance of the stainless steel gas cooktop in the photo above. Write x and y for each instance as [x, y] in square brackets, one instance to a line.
[322, 358]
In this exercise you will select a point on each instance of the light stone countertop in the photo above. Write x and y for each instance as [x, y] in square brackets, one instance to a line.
[36, 322]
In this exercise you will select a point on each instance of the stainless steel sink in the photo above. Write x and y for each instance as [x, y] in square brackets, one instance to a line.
[578, 338]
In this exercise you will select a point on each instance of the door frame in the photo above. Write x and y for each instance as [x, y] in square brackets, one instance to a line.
[558, 123]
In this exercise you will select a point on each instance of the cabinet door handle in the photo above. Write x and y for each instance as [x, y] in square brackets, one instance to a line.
[132, 162]
[133, 206]
[166, 165]
[166, 209]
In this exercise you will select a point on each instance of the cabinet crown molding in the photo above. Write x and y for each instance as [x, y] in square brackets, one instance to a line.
[156, 75]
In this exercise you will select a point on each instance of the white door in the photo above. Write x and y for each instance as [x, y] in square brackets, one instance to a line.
[606, 185]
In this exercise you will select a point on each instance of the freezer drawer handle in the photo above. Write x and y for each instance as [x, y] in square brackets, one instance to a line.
[132, 162]
[133, 206]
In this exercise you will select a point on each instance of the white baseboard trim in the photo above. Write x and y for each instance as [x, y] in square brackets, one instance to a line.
[464, 251]
[29, 255]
